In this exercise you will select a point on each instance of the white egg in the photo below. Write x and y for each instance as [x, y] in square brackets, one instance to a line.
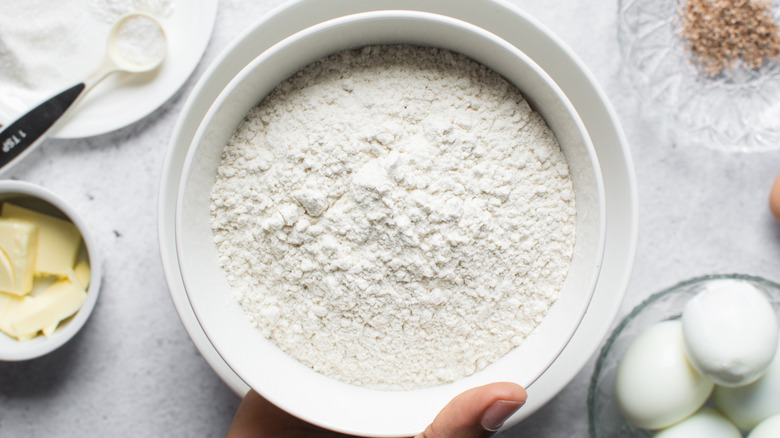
[769, 428]
[707, 423]
[749, 405]
[655, 386]
[731, 332]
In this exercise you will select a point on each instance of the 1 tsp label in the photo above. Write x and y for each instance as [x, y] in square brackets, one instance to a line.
[13, 140]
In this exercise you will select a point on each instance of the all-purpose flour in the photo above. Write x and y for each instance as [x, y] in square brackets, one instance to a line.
[394, 217]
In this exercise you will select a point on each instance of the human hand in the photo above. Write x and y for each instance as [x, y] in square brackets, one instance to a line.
[475, 413]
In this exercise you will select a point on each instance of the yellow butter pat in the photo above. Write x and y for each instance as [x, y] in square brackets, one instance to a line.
[48, 331]
[80, 274]
[58, 240]
[18, 246]
[26, 337]
[6, 301]
[61, 300]
[8, 305]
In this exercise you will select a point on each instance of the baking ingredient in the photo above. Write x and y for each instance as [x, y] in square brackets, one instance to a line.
[721, 34]
[46, 46]
[394, 216]
[140, 41]
[749, 405]
[57, 288]
[35, 313]
[7, 303]
[58, 240]
[769, 428]
[774, 199]
[23, 317]
[43, 43]
[706, 423]
[18, 246]
[109, 11]
[655, 386]
[49, 330]
[81, 274]
[726, 328]
[731, 332]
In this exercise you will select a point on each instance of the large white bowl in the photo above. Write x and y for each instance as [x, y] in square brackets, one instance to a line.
[518, 28]
[281, 379]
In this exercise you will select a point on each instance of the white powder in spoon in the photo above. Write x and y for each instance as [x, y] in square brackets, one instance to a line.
[394, 217]
[140, 41]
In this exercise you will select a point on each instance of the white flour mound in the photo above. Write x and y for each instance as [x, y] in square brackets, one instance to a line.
[394, 217]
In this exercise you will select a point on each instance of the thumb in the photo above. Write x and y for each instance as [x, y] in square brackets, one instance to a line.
[477, 412]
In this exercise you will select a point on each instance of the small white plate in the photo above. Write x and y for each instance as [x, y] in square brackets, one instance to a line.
[515, 26]
[122, 100]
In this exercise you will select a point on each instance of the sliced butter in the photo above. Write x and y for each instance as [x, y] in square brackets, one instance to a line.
[26, 337]
[8, 305]
[58, 240]
[80, 274]
[18, 246]
[61, 300]
[48, 331]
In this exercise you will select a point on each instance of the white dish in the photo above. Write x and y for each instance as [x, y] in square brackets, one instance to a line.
[278, 377]
[514, 26]
[40, 199]
[122, 100]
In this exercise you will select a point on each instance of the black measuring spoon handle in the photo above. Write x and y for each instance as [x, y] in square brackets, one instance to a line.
[27, 131]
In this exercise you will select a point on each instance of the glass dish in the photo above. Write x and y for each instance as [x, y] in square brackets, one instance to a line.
[605, 421]
[735, 110]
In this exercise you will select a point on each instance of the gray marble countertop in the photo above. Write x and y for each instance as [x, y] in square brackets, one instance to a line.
[133, 371]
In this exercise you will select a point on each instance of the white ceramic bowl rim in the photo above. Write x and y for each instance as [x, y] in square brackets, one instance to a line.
[13, 350]
[358, 410]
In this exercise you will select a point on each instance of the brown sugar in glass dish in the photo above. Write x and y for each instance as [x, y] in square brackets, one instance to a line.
[707, 71]
[726, 34]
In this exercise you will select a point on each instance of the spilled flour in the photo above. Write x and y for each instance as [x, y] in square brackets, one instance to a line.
[394, 217]
[49, 45]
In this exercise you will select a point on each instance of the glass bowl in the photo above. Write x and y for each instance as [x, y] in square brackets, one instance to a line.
[605, 421]
[735, 110]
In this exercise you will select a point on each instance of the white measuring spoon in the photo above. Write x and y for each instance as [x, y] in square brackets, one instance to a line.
[124, 54]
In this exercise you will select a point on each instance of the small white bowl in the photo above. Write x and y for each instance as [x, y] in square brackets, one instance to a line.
[37, 198]
[263, 366]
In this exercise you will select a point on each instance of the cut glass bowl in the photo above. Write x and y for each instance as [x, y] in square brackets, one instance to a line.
[736, 110]
[605, 421]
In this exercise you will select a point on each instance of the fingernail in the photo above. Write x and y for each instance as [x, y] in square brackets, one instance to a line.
[497, 413]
